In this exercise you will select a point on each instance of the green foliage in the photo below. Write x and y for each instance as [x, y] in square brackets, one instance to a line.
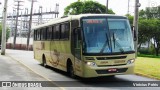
[146, 51]
[147, 55]
[81, 7]
[142, 13]
[152, 50]
[148, 29]
[130, 19]
[145, 30]
[150, 13]
[7, 33]
[152, 17]
[74, 8]
[156, 35]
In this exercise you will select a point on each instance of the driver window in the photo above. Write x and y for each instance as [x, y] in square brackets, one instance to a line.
[77, 38]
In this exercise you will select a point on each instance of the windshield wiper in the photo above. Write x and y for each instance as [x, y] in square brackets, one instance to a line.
[105, 44]
[117, 43]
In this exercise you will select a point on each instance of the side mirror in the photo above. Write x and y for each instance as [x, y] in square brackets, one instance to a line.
[134, 33]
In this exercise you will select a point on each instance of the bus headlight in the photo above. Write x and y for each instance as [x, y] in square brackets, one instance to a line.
[130, 61]
[93, 64]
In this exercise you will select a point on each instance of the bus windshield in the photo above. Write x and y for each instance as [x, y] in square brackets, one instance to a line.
[107, 35]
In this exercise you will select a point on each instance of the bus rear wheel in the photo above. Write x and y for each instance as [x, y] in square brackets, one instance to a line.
[44, 61]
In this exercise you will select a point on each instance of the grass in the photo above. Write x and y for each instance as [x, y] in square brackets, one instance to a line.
[149, 56]
[148, 66]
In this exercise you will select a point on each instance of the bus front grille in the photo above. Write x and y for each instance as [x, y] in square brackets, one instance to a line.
[110, 58]
[121, 70]
[110, 65]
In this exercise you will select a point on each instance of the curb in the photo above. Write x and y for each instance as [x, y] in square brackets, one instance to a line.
[140, 74]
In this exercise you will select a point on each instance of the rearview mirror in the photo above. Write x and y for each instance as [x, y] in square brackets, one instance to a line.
[134, 33]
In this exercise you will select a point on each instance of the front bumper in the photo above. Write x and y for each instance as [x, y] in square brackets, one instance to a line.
[104, 71]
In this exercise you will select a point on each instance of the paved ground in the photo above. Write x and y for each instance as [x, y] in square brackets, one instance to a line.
[37, 72]
[12, 70]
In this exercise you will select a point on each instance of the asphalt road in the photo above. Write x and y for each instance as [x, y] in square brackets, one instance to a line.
[12, 70]
[25, 59]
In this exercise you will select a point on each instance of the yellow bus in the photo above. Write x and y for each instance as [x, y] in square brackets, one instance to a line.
[86, 45]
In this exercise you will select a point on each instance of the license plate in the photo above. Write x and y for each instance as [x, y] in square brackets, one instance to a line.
[112, 70]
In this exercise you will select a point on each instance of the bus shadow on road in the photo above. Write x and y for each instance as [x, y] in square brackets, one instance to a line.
[107, 81]
[56, 70]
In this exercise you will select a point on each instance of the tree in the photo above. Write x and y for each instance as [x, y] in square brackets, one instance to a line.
[149, 26]
[142, 13]
[150, 12]
[130, 17]
[145, 30]
[81, 7]
[7, 34]
[156, 35]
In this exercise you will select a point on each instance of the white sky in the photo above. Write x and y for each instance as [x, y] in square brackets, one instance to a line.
[118, 6]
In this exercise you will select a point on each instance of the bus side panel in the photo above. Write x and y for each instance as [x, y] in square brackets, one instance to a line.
[38, 50]
[59, 53]
[46, 51]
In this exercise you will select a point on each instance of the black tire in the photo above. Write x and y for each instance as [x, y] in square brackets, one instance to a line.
[71, 71]
[44, 62]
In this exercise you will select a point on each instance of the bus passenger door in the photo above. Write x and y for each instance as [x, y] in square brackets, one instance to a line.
[77, 52]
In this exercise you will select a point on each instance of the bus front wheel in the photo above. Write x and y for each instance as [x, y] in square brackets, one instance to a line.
[70, 70]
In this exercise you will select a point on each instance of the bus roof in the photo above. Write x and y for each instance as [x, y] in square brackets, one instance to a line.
[72, 17]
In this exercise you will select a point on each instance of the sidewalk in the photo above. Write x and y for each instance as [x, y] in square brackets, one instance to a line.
[13, 71]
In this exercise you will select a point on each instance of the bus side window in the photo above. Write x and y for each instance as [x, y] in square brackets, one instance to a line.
[53, 30]
[67, 29]
[62, 31]
[35, 35]
[49, 33]
[42, 35]
[57, 32]
[38, 34]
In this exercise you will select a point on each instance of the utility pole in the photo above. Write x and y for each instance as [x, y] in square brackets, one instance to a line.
[40, 16]
[3, 48]
[135, 22]
[15, 32]
[107, 6]
[56, 10]
[30, 25]
[128, 7]
[20, 34]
